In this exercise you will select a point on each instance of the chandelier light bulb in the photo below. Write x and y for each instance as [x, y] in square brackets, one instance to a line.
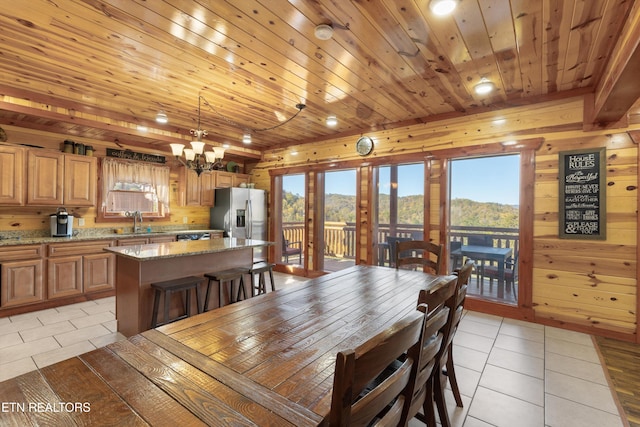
[210, 156]
[197, 146]
[176, 149]
[189, 154]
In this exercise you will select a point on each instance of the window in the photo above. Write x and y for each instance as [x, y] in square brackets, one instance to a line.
[134, 186]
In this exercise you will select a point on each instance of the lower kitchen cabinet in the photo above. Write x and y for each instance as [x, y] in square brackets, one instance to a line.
[22, 283]
[64, 277]
[79, 268]
[99, 272]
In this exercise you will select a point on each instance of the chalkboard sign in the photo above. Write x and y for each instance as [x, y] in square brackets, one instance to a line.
[132, 155]
[583, 194]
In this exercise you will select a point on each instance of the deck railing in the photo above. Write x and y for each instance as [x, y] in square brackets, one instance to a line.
[340, 237]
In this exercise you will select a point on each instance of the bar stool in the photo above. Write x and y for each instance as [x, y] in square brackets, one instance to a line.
[167, 288]
[260, 268]
[230, 275]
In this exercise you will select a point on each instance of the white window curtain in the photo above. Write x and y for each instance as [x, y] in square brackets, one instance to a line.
[115, 172]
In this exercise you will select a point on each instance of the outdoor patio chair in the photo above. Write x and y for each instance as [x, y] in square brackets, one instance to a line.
[291, 248]
[510, 272]
[391, 242]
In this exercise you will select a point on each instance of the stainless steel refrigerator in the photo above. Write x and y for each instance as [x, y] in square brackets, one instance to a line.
[241, 213]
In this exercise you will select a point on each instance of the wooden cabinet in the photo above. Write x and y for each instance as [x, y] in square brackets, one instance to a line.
[200, 190]
[21, 282]
[45, 175]
[192, 188]
[79, 268]
[207, 188]
[239, 179]
[224, 179]
[21, 275]
[98, 272]
[64, 277]
[162, 239]
[133, 241]
[80, 180]
[56, 178]
[12, 191]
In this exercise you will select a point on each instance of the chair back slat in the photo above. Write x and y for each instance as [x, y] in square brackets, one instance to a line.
[364, 387]
[419, 253]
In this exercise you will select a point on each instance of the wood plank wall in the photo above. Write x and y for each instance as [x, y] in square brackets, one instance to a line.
[587, 285]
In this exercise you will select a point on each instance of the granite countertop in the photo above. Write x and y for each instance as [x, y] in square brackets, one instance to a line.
[185, 248]
[83, 235]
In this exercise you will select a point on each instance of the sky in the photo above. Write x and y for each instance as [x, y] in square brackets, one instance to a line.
[488, 179]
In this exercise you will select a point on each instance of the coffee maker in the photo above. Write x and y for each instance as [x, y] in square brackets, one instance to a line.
[61, 223]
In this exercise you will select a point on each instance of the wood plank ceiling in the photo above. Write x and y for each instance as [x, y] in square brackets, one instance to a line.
[100, 68]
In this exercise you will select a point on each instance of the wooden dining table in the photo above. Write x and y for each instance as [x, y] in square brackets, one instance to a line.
[265, 361]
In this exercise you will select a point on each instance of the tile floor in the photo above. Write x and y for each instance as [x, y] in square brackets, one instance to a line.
[511, 373]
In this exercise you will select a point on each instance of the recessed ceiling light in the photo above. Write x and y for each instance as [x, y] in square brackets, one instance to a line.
[332, 120]
[323, 32]
[484, 87]
[246, 138]
[161, 117]
[142, 128]
[442, 7]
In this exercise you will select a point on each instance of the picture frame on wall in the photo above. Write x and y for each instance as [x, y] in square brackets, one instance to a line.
[582, 194]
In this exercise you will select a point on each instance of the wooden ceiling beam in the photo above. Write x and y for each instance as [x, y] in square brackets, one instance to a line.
[618, 89]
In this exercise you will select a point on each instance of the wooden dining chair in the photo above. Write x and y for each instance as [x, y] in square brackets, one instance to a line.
[428, 351]
[419, 253]
[456, 305]
[361, 393]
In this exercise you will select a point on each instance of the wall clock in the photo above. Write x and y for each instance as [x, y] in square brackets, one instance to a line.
[364, 145]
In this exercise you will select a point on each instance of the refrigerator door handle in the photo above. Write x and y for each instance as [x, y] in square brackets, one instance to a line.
[249, 225]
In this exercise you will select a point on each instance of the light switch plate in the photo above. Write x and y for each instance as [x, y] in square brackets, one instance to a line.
[81, 222]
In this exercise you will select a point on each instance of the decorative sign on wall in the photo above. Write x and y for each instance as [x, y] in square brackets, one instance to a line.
[132, 155]
[583, 194]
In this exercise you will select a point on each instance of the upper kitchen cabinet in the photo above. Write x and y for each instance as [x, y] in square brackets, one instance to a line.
[45, 176]
[80, 180]
[55, 178]
[11, 175]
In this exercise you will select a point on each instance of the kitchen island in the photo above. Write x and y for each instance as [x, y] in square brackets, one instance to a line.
[140, 265]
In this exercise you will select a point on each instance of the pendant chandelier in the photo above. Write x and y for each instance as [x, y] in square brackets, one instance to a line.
[195, 158]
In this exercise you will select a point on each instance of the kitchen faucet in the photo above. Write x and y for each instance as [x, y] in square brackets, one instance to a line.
[137, 216]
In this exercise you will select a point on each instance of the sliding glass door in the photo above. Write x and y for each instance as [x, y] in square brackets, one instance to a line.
[484, 223]
[399, 208]
[292, 236]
